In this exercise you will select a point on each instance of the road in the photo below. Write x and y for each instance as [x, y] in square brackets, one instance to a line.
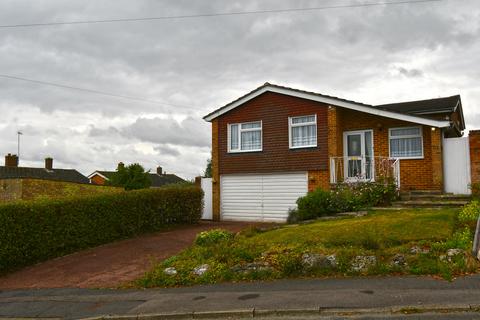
[360, 298]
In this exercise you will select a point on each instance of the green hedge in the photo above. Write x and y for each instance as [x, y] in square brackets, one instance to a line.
[33, 231]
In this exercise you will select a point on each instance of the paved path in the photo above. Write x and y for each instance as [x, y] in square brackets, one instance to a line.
[112, 264]
[327, 294]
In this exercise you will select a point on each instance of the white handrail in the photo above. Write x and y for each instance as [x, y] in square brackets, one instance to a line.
[368, 169]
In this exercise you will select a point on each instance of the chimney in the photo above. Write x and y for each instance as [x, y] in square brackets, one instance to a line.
[49, 163]
[159, 170]
[120, 165]
[11, 160]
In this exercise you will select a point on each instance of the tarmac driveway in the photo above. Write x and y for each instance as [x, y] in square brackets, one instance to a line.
[112, 264]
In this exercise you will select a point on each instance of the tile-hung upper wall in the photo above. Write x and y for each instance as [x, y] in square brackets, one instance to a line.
[273, 110]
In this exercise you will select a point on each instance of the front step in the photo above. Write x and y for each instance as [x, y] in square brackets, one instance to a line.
[440, 197]
[430, 204]
[423, 192]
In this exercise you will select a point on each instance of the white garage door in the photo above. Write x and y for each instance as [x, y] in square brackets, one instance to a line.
[264, 197]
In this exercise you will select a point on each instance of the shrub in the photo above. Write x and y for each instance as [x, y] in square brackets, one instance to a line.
[344, 197]
[33, 231]
[468, 216]
[475, 187]
[214, 236]
[469, 212]
[314, 204]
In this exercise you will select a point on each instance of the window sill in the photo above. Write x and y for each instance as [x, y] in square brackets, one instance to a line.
[303, 147]
[244, 151]
[408, 158]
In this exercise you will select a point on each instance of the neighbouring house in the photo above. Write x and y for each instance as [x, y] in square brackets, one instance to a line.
[26, 183]
[159, 178]
[275, 143]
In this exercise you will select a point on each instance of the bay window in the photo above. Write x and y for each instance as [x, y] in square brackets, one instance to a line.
[244, 137]
[406, 143]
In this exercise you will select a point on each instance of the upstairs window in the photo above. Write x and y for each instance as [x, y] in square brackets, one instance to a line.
[406, 143]
[303, 131]
[245, 137]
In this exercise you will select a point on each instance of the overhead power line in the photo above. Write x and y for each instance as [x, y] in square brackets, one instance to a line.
[64, 86]
[216, 14]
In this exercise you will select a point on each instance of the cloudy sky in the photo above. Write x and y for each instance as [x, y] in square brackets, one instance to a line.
[188, 67]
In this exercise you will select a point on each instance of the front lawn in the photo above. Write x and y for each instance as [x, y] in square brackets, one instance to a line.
[383, 242]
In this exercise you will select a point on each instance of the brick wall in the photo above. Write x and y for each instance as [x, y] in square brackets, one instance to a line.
[10, 190]
[474, 140]
[274, 109]
[34, 189]
[318, 179]
[416, 174]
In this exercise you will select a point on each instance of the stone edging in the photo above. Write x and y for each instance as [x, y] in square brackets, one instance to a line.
[254, 313]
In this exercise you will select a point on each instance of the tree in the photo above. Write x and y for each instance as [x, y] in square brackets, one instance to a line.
[208, 169]
[131, 177]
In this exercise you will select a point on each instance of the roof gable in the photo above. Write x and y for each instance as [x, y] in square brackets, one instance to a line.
[334, 101]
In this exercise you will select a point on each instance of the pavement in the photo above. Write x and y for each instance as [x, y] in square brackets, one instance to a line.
[113, 264]
[346, 298]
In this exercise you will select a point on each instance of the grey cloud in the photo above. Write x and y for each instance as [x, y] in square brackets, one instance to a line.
[410, 73]
[166, 150]
[100, 132]
[189, 132]
[201, 64]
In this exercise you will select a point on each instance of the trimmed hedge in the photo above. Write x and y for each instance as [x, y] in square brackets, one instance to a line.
[34, 231]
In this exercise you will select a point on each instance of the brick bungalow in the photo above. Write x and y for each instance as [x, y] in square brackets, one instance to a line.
[275, 143]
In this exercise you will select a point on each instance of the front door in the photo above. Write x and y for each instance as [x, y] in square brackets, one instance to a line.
[358, 151]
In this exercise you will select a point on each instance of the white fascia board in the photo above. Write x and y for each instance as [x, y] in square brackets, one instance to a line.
[96, 173]
[333, 102]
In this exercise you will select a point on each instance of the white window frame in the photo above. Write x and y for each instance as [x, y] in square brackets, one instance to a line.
[292, 125]
[406, 137]
[240, 130]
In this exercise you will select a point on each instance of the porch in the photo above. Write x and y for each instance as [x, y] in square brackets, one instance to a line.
[364, 169]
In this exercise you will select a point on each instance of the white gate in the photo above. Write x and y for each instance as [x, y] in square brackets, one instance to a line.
[456, 165]
[207, 198]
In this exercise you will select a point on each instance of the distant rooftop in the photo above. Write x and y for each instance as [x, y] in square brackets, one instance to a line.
[158, 179]
[12, 171]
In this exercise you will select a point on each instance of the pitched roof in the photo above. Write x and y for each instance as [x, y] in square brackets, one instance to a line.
[349, 104]
[427, 107]
[67, 175]
[158, 180]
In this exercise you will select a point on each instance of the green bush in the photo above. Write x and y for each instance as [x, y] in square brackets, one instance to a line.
[214, 236]
[475, 187]
[469, 212]
[33, 231]
[314, 204]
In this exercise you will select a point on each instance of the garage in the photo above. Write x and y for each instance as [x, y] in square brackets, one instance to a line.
[265, 197]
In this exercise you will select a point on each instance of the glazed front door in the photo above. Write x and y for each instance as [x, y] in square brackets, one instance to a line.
[358, 151]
